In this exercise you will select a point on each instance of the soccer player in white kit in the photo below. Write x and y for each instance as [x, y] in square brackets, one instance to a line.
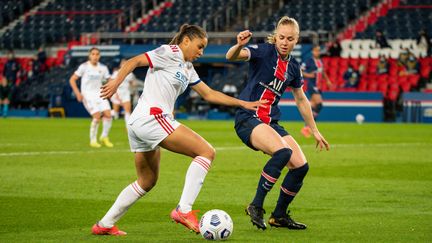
[92, 73]
[123, 95]
[152, 125]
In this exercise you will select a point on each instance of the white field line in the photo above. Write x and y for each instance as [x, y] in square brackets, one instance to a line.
[226, 148]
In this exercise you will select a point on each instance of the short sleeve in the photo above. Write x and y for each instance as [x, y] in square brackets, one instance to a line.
[159, 57]
[106, 74]
[255, 51]
[80, 71]
[297, 81]
[193, 76]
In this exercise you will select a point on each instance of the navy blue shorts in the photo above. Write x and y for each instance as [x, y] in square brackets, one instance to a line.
[245, 123]
[313, 90]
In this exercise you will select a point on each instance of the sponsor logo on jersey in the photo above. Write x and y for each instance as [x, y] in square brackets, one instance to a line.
[275, 86]
[182, 78]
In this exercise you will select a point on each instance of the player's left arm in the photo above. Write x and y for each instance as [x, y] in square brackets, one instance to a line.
[329, 82]
[305, 110]
[217, 97]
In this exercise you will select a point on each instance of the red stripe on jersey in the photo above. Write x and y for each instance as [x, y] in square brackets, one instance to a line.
[281, 69]
[149, 60]
[319, 75]
[263, 112]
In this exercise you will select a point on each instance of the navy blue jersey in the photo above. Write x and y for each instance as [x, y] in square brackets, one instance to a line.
[316, 66]
[269, 77]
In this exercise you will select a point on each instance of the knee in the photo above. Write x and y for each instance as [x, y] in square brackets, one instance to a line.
[210, 153]
[96, 119]
[147, 182]
[283, 155]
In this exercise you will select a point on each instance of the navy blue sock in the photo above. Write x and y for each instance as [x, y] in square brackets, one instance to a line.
[270, 174]
[291, 185]
[316, 110]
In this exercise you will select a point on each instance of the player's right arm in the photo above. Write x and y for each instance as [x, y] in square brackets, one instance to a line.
[110, 88]
[73, 84]
[237, 52]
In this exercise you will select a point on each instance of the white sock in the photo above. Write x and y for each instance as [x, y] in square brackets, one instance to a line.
[115, 114]
[194, 179]
[126, 117]
[107, 122]
[93, 130]
[125, 199]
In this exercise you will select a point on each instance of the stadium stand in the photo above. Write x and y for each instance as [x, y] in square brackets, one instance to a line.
[32, 23]
[61, 21]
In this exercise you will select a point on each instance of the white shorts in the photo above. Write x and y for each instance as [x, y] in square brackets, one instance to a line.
[96, 104]
[120, 97]
[146, 133]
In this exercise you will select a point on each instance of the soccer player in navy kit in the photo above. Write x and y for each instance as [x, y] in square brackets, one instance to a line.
[272, 69]
[313, 71]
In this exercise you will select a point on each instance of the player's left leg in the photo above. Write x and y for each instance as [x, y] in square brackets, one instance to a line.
[316, 104]
[291, 185]
[107, 123]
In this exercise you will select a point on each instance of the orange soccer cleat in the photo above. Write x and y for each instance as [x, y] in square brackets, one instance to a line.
[99, 230]
[190, 219]
[306, 131]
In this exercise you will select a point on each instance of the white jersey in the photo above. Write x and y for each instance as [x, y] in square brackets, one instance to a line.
[124, 86]
[168, 76]
[91, 78]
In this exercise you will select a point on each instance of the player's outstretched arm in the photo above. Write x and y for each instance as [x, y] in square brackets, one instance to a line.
[236, 52]
[110, 88]
[305, 110]
[217, 97]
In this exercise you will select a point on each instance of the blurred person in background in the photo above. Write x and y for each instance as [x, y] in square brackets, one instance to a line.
[5, 96]
[92, 74]
[122, 98]
[315, 75]
[351, 77]
[383, 65]
[424, 42]
[381, 40]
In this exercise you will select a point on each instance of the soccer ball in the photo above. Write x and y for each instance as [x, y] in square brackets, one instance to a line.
[360, 118]
[216, 225]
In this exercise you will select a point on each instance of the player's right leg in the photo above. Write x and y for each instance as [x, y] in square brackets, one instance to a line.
[267, 140]
[185, 141]
[147, 167]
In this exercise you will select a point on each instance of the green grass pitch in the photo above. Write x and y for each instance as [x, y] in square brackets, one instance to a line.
[375, 185]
